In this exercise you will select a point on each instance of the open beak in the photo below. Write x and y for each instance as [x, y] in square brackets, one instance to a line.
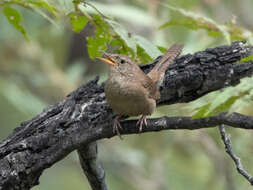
[108, 60]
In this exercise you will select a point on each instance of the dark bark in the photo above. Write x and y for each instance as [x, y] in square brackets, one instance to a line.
[84, 117]
[227, 142]
[91, 167]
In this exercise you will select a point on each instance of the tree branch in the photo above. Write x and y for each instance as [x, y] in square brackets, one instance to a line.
[227, 142]
[234, 120]
[84, 117]
[92, 169]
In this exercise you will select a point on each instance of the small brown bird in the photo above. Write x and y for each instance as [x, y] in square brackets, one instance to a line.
[129, 91]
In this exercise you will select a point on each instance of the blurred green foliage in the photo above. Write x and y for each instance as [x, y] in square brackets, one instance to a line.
[78, 22]
[40, 71]
[14, 17]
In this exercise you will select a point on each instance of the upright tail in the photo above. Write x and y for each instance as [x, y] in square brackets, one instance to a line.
[157, 73]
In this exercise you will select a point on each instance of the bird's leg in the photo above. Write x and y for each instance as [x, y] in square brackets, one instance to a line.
[141, 121]
[116, 126]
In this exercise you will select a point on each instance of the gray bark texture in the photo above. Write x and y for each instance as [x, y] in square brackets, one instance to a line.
[83, 117]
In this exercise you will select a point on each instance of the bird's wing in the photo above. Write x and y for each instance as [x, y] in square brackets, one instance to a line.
[149, 85]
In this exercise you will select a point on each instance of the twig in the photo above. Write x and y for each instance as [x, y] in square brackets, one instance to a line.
[92, 6]
[227, 142]
[83, 13]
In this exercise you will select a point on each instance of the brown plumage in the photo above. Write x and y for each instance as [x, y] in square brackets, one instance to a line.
[129, 91]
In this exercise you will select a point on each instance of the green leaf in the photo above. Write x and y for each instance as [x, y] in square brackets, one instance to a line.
[46, 16]
[42, 7]
[246, 59]
[193, 21]
[35, 4]
[109, 32]
[98, 44]
[15, 18]
[142, 57]
[194, 24]
[162, 49]
[94, 48]
[201, 111]
[42, 4]
[149, 48]
[123, 34]
[221, 98]
[227, 98]
[225, 106]
[78, 22]
[224, 101]
[238, 33]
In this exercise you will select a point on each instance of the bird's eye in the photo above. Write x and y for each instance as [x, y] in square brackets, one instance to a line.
[122, 61]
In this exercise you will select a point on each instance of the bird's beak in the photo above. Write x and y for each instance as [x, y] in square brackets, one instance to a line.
[108, 60]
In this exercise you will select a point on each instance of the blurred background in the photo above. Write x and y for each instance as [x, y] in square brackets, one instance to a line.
[42, 71]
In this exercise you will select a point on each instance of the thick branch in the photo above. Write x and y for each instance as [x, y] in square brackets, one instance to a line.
[84, 117]
[192, 76]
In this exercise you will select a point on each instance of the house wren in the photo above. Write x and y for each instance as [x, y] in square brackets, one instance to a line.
[129, 91]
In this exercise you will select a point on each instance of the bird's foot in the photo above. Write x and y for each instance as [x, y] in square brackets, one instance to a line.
[116, 126]
[141, 121]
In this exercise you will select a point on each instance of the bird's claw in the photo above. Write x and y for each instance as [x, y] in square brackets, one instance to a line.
[141, 121]
[116, 126]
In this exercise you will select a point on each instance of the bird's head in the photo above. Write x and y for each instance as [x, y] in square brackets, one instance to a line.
[118, 63]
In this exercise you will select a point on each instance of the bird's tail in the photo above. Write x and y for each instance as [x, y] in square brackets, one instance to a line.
[157, 73]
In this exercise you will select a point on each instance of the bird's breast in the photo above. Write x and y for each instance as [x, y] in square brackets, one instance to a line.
[126, 97]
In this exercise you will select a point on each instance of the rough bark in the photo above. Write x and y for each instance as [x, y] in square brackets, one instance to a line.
[84, 117]
[92, 169]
